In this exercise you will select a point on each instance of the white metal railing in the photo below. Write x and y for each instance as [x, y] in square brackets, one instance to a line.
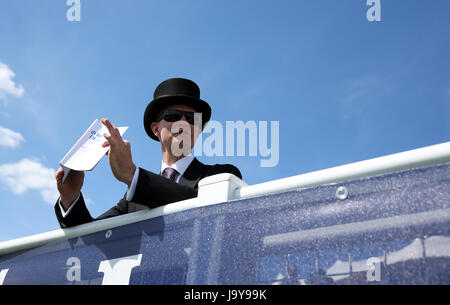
[416, 158]
[226, 187]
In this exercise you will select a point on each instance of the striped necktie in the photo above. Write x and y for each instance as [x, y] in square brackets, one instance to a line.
[170, 173]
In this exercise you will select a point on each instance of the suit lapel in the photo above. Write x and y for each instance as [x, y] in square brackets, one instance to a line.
[193, 174]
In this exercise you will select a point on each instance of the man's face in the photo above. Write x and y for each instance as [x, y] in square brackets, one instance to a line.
[178, 138]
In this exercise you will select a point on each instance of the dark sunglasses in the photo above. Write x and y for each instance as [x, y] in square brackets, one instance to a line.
[174, 115]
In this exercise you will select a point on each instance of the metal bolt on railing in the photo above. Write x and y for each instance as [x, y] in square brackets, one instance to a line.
[342, 193]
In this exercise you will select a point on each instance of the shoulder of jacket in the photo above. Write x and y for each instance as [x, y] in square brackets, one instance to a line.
[222, 168]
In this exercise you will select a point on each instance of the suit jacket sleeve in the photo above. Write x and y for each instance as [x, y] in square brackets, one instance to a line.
[77, 216]
[154, 190]
[80, 214]
[223, 168]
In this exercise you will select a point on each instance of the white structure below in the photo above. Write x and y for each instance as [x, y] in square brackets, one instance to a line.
[225, 187]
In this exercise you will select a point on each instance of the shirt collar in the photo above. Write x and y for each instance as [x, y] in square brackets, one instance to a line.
[181, 165]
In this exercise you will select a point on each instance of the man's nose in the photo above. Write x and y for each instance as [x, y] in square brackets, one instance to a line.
[183, 118]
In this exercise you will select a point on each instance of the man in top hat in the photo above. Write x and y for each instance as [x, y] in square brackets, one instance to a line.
[169, 119]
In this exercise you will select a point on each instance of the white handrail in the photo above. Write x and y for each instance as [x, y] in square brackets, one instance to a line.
[231, 189]
[435, 154]
[92, 227]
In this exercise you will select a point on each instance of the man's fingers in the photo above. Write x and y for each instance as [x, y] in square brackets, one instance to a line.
[80, 173]
[74, 174]
[59, 174]
[106, 143]
[114, 136]
[113, 131]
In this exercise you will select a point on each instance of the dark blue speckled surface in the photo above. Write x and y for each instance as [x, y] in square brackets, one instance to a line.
[392, 229]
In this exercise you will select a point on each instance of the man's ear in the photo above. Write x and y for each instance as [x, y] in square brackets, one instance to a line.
[155, 129]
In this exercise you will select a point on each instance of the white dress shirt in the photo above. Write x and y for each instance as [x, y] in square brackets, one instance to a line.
[180, 166]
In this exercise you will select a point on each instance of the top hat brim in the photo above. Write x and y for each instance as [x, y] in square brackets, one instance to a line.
[158, 104]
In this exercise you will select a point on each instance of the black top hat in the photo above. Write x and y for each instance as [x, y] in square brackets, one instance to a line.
[175, 91]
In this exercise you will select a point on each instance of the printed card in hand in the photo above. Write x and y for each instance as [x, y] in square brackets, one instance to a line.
[88, 150]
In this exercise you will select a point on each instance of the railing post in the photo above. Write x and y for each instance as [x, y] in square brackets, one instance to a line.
[218, 188]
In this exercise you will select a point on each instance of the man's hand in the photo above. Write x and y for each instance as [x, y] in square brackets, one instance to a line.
[119, 154]
[71, 188]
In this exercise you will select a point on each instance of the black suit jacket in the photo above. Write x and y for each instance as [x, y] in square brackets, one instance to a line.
[152, 191]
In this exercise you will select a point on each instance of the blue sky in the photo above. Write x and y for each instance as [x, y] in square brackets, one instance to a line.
[343, 89]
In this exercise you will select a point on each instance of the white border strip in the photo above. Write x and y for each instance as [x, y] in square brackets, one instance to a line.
[96, 226]
[426, 156]
[349, 229]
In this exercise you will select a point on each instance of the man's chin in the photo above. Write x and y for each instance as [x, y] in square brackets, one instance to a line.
[178, 148]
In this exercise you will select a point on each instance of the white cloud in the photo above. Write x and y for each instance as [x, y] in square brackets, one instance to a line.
[359, 97]
[10, 138]
[30, 175]
[7, 85]
[361, 90]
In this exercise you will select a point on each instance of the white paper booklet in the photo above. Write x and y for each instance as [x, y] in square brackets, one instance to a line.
[88, 150]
